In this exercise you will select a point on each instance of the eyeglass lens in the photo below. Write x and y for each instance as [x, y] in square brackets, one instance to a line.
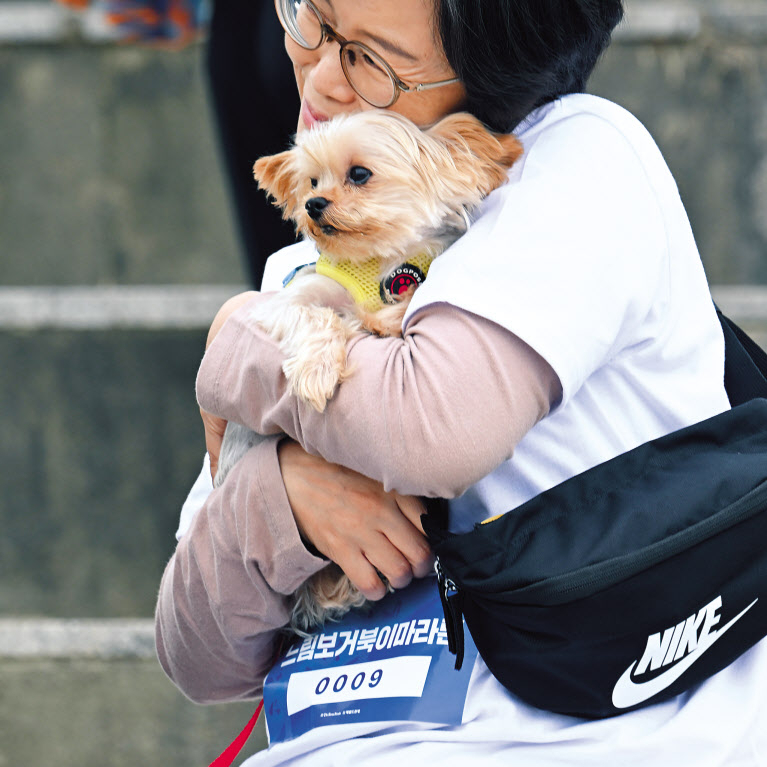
[365, 70]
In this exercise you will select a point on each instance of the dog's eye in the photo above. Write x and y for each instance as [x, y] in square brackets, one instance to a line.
[359, 175]
[314, 183]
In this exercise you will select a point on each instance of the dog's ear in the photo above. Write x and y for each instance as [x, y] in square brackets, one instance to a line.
[275, 175]
[477, 152]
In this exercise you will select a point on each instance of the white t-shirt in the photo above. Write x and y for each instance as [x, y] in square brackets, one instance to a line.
[588, 256]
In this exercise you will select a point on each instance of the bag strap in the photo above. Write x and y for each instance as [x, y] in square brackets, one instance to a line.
[435, 520]
[745, 364]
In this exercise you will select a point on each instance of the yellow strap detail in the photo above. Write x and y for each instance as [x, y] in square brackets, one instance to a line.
[363, 281]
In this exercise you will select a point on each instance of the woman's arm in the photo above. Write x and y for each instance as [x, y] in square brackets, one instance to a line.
[428, 414]
[227, 590]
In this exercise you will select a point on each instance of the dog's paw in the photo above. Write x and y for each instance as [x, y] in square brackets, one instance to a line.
[315, 377]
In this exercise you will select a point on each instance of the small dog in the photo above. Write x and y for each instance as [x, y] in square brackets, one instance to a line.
[381, 199]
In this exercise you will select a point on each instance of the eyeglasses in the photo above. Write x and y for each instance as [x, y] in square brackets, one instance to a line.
[372, 79]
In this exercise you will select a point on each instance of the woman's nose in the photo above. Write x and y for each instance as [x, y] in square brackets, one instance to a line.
[327, 75]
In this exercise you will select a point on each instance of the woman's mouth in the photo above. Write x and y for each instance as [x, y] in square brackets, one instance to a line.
[310, 117]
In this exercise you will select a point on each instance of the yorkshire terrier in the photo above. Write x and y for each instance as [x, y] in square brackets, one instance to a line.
[381, 199]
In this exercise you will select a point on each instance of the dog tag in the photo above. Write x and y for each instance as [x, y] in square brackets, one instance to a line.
[387, 663]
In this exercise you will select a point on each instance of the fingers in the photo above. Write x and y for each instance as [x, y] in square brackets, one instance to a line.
[395, 549]
[364, 576]
[354, 522]
[392, 563]
[411, 539]
[386, 536]
[412, 507]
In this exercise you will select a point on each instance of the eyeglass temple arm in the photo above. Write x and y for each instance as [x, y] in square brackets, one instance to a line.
[426, 86]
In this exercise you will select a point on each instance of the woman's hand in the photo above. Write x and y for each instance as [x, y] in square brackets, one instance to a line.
[213, 425]
[354, 522]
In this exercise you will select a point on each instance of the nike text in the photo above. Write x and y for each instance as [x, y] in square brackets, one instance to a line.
[679, 640]
[676, 650]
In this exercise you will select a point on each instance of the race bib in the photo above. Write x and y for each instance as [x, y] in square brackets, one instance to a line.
[388, 663]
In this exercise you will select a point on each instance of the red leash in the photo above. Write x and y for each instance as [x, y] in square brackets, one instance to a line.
[231, 751]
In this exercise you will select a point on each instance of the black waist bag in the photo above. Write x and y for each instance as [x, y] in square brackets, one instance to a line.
[629, 583]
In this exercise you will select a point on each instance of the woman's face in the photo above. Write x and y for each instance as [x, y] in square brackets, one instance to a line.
[401, 32]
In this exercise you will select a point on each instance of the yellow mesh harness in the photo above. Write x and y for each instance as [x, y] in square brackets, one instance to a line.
[364, 283]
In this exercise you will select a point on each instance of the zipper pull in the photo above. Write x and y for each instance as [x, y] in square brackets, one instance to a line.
[452, 602]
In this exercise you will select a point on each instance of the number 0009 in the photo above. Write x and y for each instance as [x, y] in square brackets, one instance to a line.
[340, 683]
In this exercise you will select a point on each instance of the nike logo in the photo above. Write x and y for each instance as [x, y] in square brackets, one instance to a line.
[672, 646]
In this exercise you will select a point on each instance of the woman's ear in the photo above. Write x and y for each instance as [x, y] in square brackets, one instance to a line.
[477, 152]
[275, 175]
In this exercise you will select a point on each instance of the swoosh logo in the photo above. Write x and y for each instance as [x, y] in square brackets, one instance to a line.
[629, 693]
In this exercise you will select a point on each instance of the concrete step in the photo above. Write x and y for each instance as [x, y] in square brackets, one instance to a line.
[101, 438]
[109, 170]
[109, 173]
[91, 693]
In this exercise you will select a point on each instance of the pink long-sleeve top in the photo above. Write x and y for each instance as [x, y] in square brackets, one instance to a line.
[427, 414]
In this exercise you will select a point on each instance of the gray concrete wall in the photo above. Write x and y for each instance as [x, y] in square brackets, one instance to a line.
[90, 693]
[700, 85]
[100, 434]
[93, 713]
[108, 169]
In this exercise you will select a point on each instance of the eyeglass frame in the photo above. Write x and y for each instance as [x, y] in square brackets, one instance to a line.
[328, 33]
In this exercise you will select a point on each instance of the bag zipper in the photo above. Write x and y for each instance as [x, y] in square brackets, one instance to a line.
[585, 581]
[452, 607]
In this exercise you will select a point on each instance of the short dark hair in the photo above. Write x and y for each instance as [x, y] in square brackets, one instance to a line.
[515, 55]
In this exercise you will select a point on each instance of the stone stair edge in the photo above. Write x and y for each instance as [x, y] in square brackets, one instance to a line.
[192, 307]
[26, 638]
[35, 22]
[81, 307]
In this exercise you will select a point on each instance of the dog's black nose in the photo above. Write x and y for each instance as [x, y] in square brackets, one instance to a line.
[315, 206]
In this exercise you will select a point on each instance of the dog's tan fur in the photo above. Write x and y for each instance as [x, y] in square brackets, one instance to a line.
[422, 187]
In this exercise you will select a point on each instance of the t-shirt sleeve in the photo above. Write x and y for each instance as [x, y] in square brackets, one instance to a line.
[570, 255]
[280, 264]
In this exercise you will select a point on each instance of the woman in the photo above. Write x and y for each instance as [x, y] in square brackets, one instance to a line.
[571, 323]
